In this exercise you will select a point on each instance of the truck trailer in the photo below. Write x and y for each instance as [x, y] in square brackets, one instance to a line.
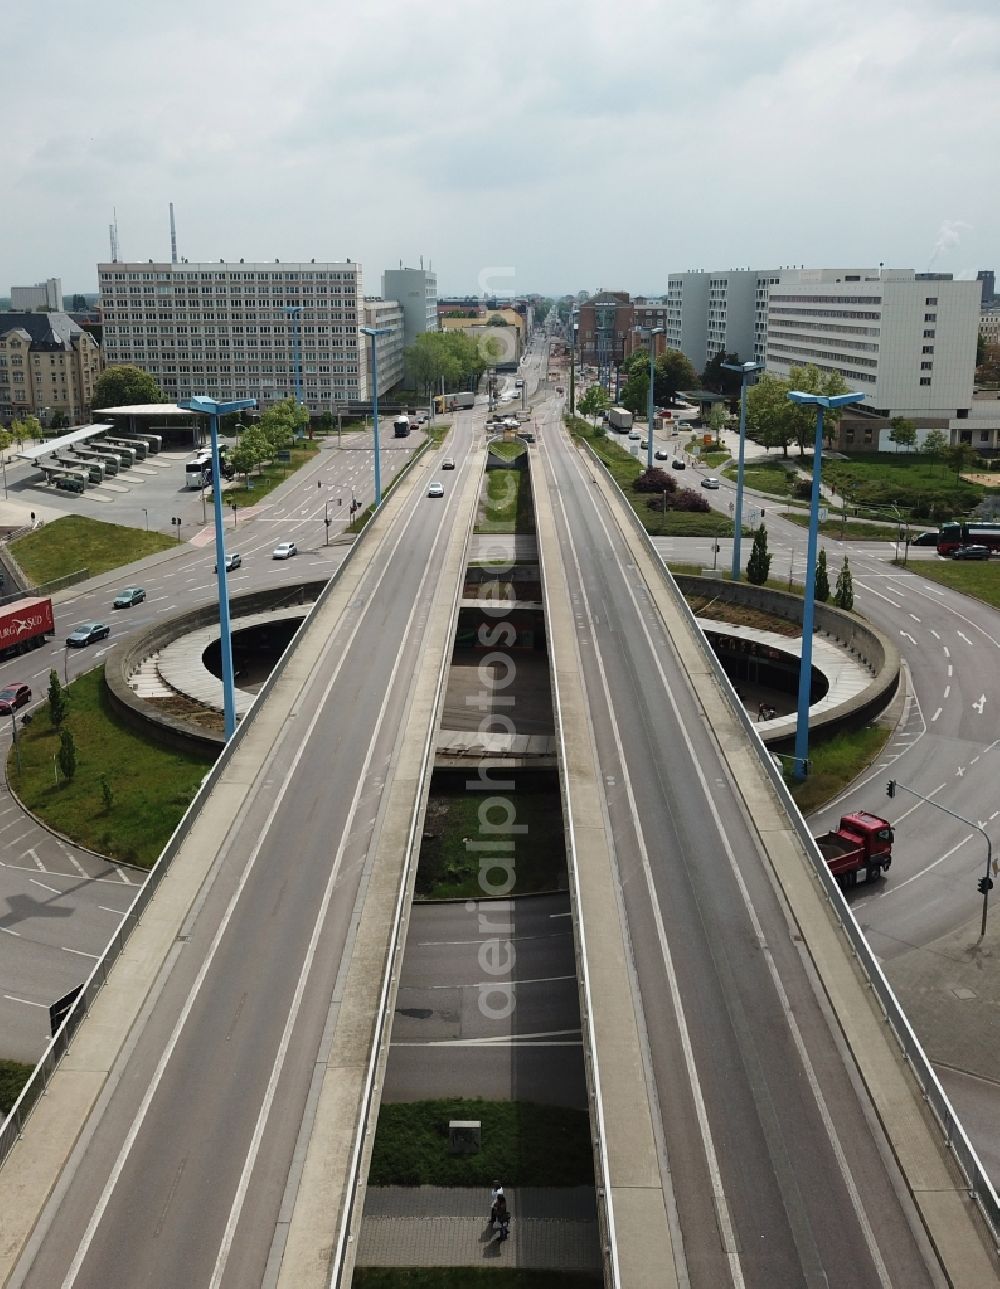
[862, 843]
[619, 419]
[24, 626]
[401, 426]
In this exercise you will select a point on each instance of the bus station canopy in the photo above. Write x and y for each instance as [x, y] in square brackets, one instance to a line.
[164, 410]
[55, 445]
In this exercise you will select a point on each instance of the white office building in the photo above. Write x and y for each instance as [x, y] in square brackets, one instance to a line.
[417, 293]
[907, 341]
[264, 331]
[43, 295]
[385, 316]
[712, 313]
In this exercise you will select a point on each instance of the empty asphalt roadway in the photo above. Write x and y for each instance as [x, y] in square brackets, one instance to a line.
[773, 1160]
[180, 1173]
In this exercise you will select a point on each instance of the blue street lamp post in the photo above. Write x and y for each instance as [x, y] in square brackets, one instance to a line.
[746, 370]
[653, 333]
[213, 409]
[822, 402]
[375, 332]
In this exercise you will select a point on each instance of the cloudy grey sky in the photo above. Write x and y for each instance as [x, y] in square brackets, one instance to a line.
[546, 145]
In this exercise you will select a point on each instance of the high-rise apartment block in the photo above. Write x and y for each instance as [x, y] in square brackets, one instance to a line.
[47, 364]
[417, 293]
[385, 316]
[43, 295]
[239, 330]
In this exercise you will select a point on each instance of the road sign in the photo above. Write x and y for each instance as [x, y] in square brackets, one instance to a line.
[822, 513]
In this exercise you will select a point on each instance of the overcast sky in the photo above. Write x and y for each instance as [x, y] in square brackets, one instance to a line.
[547, 145]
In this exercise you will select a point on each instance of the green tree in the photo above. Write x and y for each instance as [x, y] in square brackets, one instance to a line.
[718, 419]
[960, 456]
[496, 320]
[67, 753]
[759, 564]
[79, 304]
[821, 586]
[6, 439]
[634, 394]
[253, 448]
[673, 372]
[595, 401]
[326, 421]
[935, 444]
[980, 348]
[844, 595]
[775, 422]
[125, 385]
[720, 381]
[31, 427]
[902, 432]
[58, 420]
[57, 699]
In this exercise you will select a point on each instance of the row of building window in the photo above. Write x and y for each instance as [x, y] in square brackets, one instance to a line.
[778, 344]
[177, 275]
[828, 313]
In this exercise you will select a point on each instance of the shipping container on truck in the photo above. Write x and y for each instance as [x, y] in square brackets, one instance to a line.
[24, 625]
[464, 399]
[619, 419]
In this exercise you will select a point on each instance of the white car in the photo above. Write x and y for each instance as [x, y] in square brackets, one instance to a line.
[710, 482]
[634, 435]
[436, 489]
[284, 550]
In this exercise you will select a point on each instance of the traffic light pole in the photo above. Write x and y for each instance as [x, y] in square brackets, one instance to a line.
[985, 883]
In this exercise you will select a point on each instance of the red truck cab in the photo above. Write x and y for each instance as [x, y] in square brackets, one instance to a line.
[861, 844]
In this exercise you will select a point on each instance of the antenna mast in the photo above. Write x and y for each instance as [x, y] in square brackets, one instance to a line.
[173, 236]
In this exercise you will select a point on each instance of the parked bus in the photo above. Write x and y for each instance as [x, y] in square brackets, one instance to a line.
[198, 467]
[966, 533]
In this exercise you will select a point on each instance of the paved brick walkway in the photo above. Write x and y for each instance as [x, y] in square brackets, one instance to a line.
[431, 1226]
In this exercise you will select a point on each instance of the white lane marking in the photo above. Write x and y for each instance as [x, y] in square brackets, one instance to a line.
[13, 998]
[934, 634]
[80, 953]
[72, 859]
[936, 715]
[719, 1199]
[871, 591]
[962, 636]
[7, 931]
[119, 913]
[947, 855]
[30, 852]
[561, 915]
[500, 1040]
[980, 704]
[807, 1065]
[236, 1210]
[914, 617]
[105, 1197]
[947, 651]
[35, 882]
[906, 636]
[950, 669]
[947, 690]
[514, 939]
[488, 984]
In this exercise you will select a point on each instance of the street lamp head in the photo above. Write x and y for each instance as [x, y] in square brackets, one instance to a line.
[743, 368]
[824, 400]
[375, 331]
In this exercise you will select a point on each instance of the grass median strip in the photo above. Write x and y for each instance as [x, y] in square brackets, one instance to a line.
[980, 580]
[148, 786]
[524, 1143]
[449, 869]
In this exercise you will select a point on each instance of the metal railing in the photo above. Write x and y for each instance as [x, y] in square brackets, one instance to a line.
[980, 1186]
[36, 1084]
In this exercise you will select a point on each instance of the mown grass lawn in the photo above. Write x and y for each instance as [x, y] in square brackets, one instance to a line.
[471, 1278]
[508, 450]
[507, 507]
[920, 486]
[765, 476]
[152, 786]
[450, 870]
[523, 1143]
[13, 1076]
[75, 543]
[834, 763]
[848, 532]
[980, 580]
